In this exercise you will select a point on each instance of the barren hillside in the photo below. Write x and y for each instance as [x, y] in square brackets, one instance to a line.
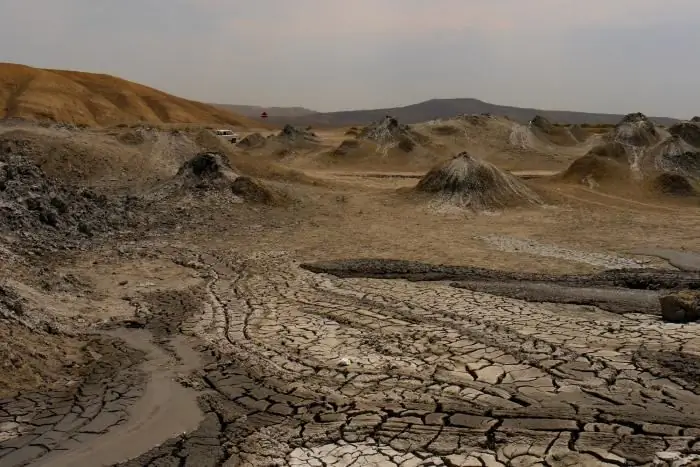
[96, 99]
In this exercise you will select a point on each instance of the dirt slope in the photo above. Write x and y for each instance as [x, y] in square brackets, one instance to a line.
[96, 99]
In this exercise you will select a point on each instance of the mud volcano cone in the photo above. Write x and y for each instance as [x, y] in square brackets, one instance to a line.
[688, 132]
[207, 168]
[472, 183]
[212, 173]
[254, 140]
[636, 129]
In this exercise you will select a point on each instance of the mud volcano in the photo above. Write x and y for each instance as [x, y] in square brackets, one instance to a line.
[292, 135]
[636, 129]
[207, 170]
[211, 172]
[252, 141]
[389, 132]
[550, 133]
[675, 155]
[687, 131]
[471, 183]
[604, 163]
[673, 185]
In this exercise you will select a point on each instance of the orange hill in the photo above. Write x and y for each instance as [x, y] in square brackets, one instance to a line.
[96, 100]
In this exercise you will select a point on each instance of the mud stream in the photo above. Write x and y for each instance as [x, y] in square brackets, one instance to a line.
[165, 410]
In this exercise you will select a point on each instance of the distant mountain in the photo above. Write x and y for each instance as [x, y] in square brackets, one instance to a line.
[256, 110]
[446, 108]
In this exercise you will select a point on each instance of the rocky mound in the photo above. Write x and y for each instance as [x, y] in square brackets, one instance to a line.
[550, 133]
[34, 205]
[681, 307]
[636, 129]
[114, 156]
[346, 147]
[469, 182]
[673, 185]
[594, 170]
[211, 172]
[612, 150]
[207, 170]
[292, 135]
[675, 155]
[636, 151]
[543, 124]
[389, 132]
[579, 133]
[252, 141]
[605, 163]
[667, 168]
[687, 131]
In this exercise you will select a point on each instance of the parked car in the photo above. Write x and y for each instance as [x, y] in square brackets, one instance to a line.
[228, 135]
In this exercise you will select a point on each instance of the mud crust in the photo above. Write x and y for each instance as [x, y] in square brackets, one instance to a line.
[307, 369]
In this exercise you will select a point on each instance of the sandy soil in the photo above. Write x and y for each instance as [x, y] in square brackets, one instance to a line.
[200, 340]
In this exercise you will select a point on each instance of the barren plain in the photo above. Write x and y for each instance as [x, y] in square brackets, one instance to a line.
[171, 299]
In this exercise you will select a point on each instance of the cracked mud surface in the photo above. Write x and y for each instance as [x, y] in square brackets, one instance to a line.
[185, 340]
[309, 369]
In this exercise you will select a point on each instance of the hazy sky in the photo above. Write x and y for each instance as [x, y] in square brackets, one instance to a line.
[613, 56]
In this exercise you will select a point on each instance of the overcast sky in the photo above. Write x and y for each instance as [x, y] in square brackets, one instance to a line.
[613, 56]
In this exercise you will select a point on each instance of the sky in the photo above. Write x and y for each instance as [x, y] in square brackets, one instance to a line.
[615, 56]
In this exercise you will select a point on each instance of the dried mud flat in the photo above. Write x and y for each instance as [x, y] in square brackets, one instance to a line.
[231, 338]
[300, 368]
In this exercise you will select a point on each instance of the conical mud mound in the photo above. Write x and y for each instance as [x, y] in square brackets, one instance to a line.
[211, 173]
[295, 135]
[207, 170]
[673, 185]
[675, 155]
[688, 132]
[579, 133]
[472, 183]
[389, 132]
[606, 163]
[252, 141]
[636, 129]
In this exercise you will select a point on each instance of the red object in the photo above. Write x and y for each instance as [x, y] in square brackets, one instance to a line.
[263, 115]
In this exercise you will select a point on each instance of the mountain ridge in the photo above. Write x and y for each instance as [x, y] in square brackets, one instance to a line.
[433, 109]
[254, 111]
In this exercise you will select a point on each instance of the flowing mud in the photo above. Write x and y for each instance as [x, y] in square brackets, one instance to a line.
[108, 419]
[683, 260]
[165, 409]
[615, 300]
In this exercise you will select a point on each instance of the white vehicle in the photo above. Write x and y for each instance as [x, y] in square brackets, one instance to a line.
[228, 135]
